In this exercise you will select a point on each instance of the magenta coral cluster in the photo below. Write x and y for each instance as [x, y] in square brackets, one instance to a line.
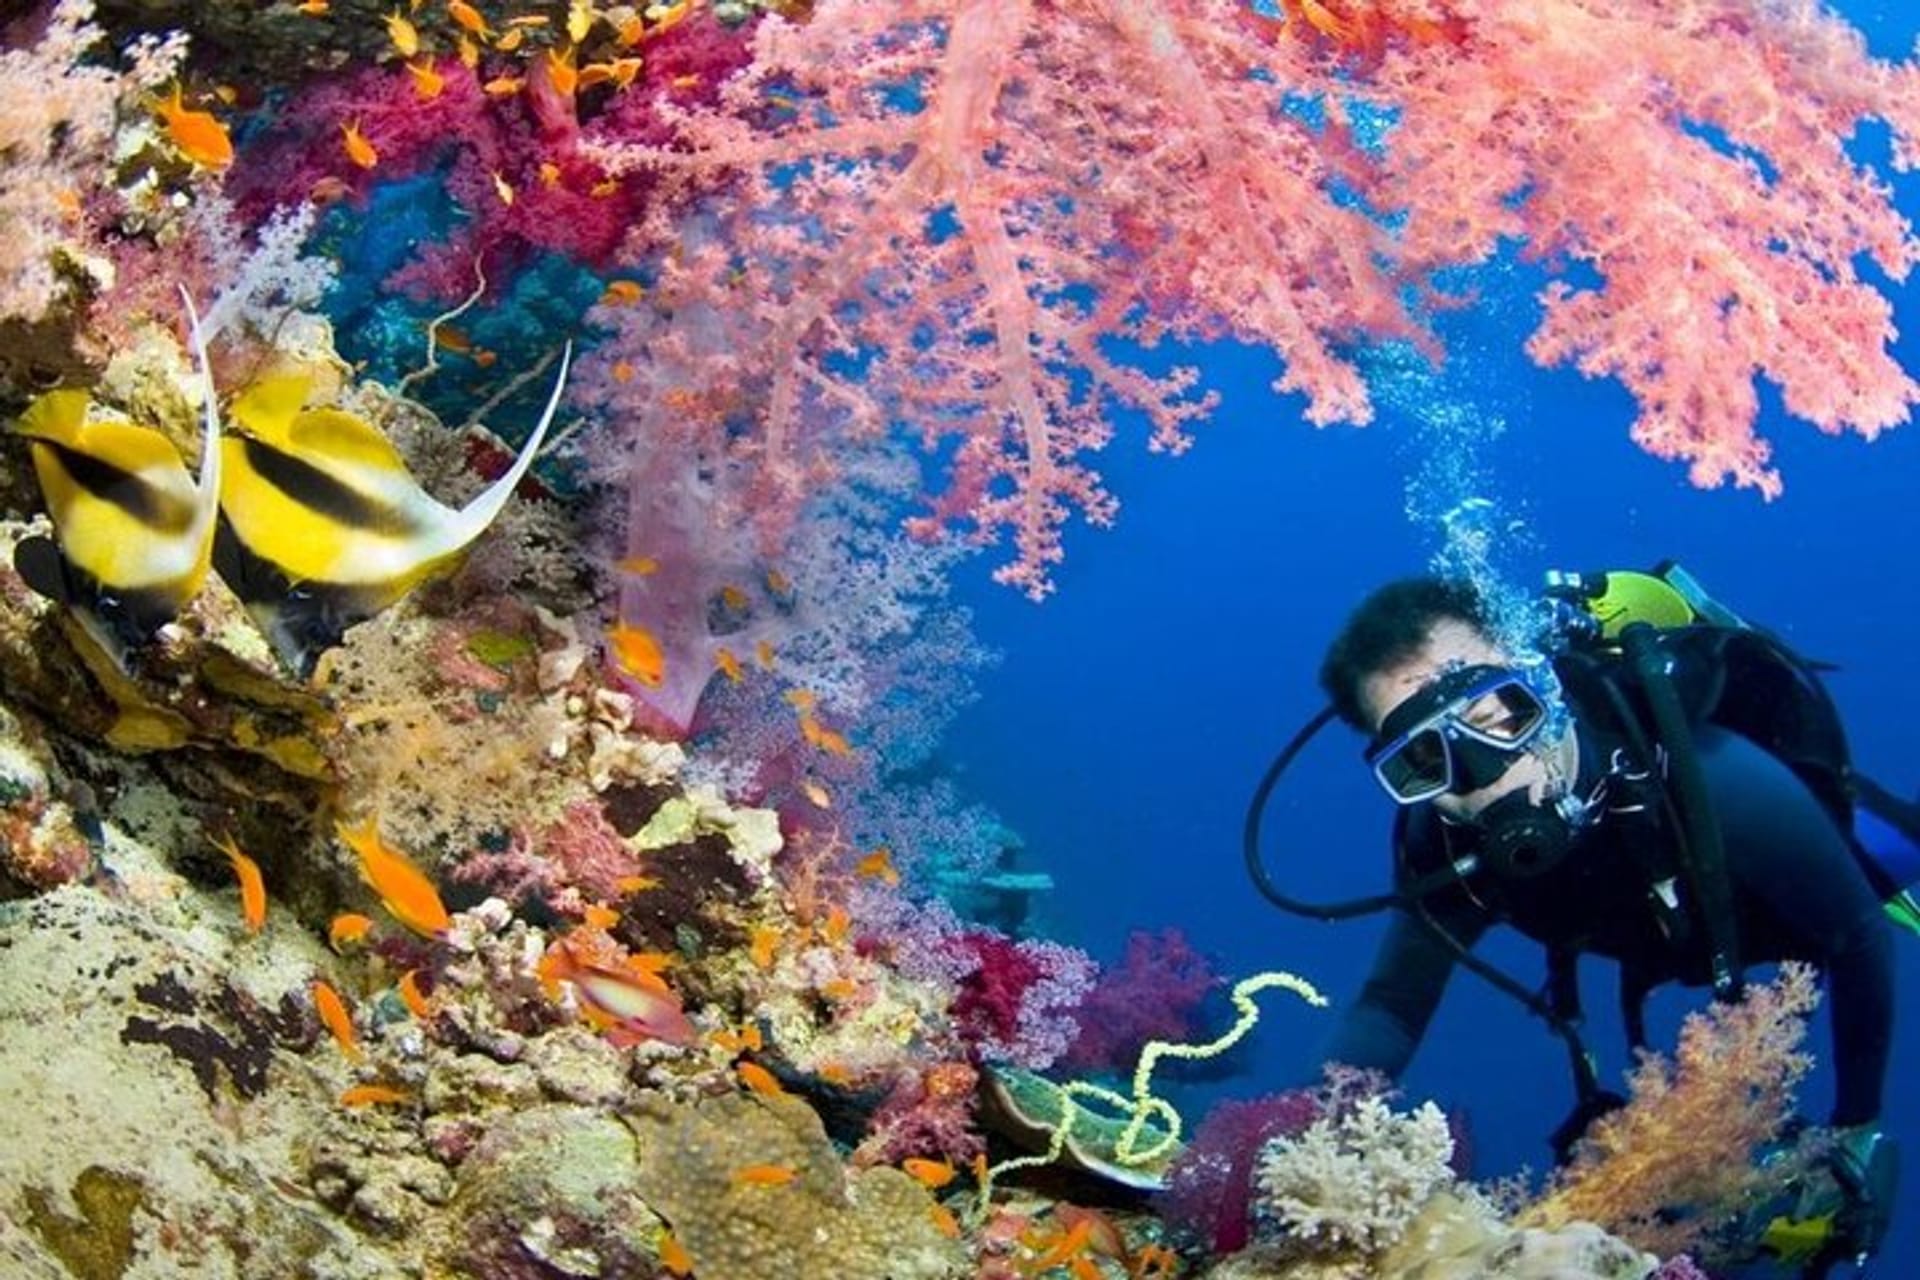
[1016, 999]
[517, 164]
[1154, 994]
[1209, 1191]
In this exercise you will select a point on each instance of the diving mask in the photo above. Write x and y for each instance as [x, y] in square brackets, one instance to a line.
[1458, 734]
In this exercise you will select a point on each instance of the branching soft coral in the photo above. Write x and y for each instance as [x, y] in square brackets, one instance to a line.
[1685, 1141]
[1693, 155]
[949, 207]
[942, 212]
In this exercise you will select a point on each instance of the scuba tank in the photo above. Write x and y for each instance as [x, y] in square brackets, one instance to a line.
[1743, 678]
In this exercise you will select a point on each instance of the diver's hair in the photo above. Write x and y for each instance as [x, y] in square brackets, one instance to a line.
[1390, 626]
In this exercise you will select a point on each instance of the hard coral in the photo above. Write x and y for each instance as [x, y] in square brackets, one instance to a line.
[823, 1220]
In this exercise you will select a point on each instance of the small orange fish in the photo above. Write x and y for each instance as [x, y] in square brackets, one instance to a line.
[199, 137]
[468, 19]
[549, 174]
[469, 52]
[428, 84]
[636, 884]
[943, 1221]
[638, 653]
[878, 865]
[529, 20]
[746, 1039]
[1071, 1244]
[604, 188]
[839, 924]
[561, 72]
[778, 584]
[509, 41]
[404, 889]
[623, 371]
[601, 916]
[673, 1255]
[312, 8]
[759, 1079]
[734, 598]
[372, 1095]
[405, 36]
[764, 1175]
[834, 1074]
[685, 82]
[411, 996]
[638, 566]
[841, 989]
[931, 1174]
[834, 744]
[763, 654]
[665, 17]
[348, 927]
[355, 144]
[502, 86]
[622, 292]
[335, 1018]
[503, 189]
[801, 700]
[818, 795]
[253, 888]
[761, 950]
[729, 665]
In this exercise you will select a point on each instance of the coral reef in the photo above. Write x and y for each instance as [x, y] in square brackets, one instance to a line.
[730, 977]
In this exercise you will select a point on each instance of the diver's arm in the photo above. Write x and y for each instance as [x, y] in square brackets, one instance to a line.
[1784, 851]
[1381, 1030]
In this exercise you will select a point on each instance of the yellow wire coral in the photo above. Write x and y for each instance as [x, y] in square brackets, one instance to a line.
[1148, 1114]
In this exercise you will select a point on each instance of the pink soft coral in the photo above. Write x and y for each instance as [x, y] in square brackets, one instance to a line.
[942, 212]
[1153, 995]
[958, 257]
[1686, 162]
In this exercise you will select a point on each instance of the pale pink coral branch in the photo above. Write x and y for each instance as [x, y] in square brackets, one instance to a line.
[1693, 154]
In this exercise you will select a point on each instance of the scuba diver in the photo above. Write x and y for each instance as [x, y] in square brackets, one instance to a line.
[1668, 788]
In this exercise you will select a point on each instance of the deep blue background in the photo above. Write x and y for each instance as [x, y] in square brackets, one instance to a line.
[1134, 711]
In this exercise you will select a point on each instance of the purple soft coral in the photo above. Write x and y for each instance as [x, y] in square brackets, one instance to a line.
[1153, 995]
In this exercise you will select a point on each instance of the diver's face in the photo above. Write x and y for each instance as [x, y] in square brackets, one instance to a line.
[1450, 645]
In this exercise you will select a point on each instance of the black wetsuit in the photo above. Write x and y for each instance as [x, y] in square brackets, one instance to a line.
[1798, 891]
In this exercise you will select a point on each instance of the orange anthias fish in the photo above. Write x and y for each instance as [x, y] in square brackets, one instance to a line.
[200, 138]
[355, 144]
[760, 1080]
[403, 888]
[335, 1018]
[878, 865]
[630, 1005]
[371, 1095]
[931, 1174]
[764, 1175]
[468, 18]
[428, 84]
[638, 653]
[253, 888]
[350, 926]
[405, 37]
[673, 1255]
[411, 996]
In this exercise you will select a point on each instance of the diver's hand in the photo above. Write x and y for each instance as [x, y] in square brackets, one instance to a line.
[1866, 1167]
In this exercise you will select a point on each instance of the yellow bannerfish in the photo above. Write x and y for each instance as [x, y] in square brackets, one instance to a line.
[325, 526]
[133, 532]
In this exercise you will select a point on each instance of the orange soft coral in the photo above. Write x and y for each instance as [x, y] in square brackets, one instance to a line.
[1686, 1139]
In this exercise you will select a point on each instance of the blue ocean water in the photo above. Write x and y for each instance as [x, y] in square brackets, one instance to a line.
[1134, 712]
